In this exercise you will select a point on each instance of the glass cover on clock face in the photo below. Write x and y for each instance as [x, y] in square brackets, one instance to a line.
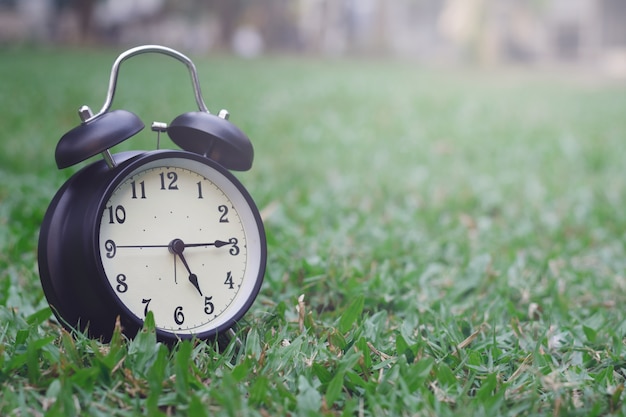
[180, 239]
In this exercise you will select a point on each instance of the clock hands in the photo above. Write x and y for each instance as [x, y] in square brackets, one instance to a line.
[217, 244]
[177, 246]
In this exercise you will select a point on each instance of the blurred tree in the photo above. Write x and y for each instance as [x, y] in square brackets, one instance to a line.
[84, 11]
[278, 24]
[276, 20]
[229, 12]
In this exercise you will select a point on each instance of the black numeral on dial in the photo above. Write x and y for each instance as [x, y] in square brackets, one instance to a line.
[209, 308]
[224, 210]
[117, 214]
[179, 317]
[146, 301]
[111, 249]
[121, 286]
[173, 177]
[234, 250]
[229, 281]
[142, 189]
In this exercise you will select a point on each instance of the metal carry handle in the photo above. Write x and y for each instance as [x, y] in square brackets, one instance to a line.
[147, 49]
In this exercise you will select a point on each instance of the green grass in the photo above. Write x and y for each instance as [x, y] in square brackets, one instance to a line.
[440, 243]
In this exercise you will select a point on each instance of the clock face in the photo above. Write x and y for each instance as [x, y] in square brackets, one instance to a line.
[179, 238]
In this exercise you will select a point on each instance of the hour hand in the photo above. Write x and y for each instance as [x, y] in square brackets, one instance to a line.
[193, 278]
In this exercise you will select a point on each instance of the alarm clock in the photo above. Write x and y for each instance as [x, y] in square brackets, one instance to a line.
[171, 232]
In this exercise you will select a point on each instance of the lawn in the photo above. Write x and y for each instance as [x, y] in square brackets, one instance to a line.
[440, 243]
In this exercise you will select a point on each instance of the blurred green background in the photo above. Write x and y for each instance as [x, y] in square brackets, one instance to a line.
[445, 188]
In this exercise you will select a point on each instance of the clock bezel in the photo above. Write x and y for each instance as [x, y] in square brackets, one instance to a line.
[148, 161]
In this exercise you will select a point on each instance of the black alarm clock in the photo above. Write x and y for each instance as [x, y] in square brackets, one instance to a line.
[172, 232]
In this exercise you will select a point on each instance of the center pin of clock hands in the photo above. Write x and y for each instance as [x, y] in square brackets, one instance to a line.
[177, 246]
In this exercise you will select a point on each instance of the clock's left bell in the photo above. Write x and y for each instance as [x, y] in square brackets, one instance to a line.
[95, 135]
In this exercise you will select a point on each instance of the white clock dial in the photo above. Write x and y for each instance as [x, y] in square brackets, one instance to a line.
[180, 239]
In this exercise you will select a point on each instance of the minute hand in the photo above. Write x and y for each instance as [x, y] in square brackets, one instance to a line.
[217, 244]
